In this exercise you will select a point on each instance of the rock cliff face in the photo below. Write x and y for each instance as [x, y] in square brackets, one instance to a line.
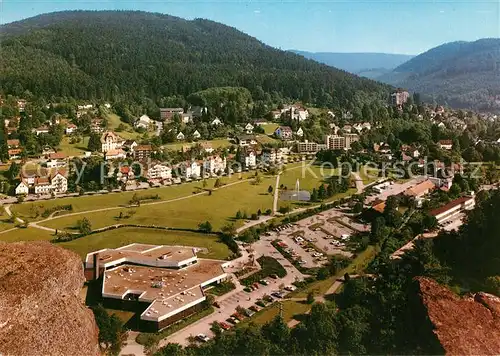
[463, 326]
[41, 312]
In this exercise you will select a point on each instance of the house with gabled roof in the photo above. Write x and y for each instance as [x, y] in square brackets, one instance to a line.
[249, 128]
[110, 141]
[216, 122]
[284, 132]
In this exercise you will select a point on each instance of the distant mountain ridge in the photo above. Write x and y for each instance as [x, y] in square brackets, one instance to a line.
[463, 74]
[370, 65]
[137, 55]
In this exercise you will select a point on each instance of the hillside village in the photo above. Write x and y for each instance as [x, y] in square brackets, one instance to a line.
[183, 145]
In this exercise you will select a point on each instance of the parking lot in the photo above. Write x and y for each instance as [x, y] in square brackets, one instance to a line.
[328, 233]
[230, 301]
[453, 223]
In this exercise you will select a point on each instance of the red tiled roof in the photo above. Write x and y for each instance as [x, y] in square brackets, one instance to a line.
[450, 205]
[57, 155]
[143, 148]
[419, 188]
[445, 142]
[15, 151]
[14, 143]
[378, 205]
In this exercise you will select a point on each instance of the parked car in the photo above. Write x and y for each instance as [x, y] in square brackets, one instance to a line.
[268, 298]
[254, 308]
[247, 289]
[255, 285]
[216, 304]
[232, 320]
[202, 338]
[238, 316]
[224, 326]
[290, 288]
[277, 295]
[248, 312]
[264, 282]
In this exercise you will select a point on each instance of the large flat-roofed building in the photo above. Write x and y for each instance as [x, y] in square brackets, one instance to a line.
[453, 208]
[143, 254]
[334, 142]
[310, 147]
[170, 280]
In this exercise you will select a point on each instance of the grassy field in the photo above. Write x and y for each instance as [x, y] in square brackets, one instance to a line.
[121, 237]
[266, 139]
[73, 149]
[356, 266]
[368, 175]
[309, 176]
[290, 309]
[269, 128]
[26, 234]
[91, 202]
[114, 121]
[217, 143]
[187, 213]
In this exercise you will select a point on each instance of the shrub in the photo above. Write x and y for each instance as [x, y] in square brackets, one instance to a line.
[269, 266]
[46, 213]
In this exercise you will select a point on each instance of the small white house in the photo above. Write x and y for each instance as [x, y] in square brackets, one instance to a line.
[159, 171]
[300, 132]
[216, 122]
[196, 134]
[41, 130]
[143, 122]
[249, 128]
[22, 188]
[71, 128]
[250, 159]
[193, 170]
[180, 136]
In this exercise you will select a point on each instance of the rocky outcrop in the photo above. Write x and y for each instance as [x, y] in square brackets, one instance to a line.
[463, 326]
[41, 312]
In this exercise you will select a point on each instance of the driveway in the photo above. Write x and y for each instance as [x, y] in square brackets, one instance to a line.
[231, 300]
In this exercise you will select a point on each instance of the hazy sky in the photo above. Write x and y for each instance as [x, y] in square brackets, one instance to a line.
[392, 26]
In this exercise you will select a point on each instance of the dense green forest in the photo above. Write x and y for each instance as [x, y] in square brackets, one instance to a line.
[462, 74]
[123, 55]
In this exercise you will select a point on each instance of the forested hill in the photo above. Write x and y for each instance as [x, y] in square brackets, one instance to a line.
[124, 54]
[464, 74]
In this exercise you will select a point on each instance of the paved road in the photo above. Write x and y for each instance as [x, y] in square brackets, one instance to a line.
[7, 210]
[251, 223]
[276, 194]
[230, 301]
[359, 183]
